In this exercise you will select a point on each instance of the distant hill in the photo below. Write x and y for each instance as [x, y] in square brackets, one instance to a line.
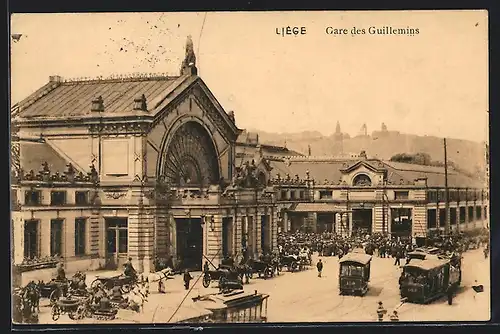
[468, 155]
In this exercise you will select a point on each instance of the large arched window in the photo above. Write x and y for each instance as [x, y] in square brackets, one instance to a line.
[191, 158]
[362, 180]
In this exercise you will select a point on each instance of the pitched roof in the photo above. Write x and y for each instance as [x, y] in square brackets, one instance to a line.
[331, 170]
[33, 155]
[74, 98]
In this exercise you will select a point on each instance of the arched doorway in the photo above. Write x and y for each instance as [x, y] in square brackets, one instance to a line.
[190, 160]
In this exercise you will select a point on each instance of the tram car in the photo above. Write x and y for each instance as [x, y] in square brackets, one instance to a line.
[354, 274]
[234, 307]
[426, 280]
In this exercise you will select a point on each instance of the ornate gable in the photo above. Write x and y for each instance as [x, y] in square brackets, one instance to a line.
[364, 173]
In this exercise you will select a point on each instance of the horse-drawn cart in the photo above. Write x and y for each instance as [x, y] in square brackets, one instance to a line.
[74, 307]
[123, 281]
[218, 275]
[262, 268]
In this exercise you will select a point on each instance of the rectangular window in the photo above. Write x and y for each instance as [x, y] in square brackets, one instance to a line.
[326, 194]
[122, 241]
[462, 215]
[470, 210]
[80, 224]
[33, 197]
[283, 194]
[399, 195]
[81, 197]
[56, 237]
[301, 194]
[292, 194]
[431, 218]
[432, 196]
[31, 239]
[442, 217]
[478, 213]
[57, 197]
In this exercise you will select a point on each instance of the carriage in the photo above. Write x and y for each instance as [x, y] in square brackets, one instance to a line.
[354, 273]
[264, 269]
[223, 275]
[123, 281]
[291, 262]
[429, 279]
[74, 307]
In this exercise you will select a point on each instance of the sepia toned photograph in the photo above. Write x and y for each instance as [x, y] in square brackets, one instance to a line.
[249, 167]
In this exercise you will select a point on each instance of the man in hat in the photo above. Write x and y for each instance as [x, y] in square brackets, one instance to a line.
[381, 311]
[129, 268]
[320, 267]
[187, 279]
[394, 316]
[61, 273]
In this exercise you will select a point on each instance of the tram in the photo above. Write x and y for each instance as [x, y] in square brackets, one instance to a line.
[354, 273]
[428, 279]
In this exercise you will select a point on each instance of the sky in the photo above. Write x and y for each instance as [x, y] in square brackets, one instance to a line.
[432, 83]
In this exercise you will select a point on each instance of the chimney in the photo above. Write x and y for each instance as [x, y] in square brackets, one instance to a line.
[97, 105]
[140, 103]
[55, 78]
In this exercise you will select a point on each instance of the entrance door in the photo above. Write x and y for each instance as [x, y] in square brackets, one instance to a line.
[116, 242]
[401, 223]
[189, 243]
[362, 221]
[325, 222]
[31, 239]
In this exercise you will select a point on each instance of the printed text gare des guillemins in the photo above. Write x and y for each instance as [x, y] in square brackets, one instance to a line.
[372, 30]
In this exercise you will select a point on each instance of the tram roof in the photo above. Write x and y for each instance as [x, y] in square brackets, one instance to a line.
[427, 264]
[356, 258]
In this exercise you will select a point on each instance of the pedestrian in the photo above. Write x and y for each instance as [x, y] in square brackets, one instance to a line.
[187, 279]
[449, 293]
[381, 311]
[394, 316]
[398, 258]
[320, 267]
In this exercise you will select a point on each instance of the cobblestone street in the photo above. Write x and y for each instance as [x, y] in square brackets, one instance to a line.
[304, 297]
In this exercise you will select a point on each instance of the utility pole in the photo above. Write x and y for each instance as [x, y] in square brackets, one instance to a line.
[446, 194]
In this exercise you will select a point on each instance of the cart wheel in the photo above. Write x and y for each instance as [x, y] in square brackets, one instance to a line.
[56, 312]
[72, 315]
[55, 295]
[125, 288]
[95, 283]
[206, 280]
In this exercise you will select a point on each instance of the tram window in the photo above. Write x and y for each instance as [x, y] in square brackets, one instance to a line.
[352, 271]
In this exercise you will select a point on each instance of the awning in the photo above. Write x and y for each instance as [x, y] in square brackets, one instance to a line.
[317, 207]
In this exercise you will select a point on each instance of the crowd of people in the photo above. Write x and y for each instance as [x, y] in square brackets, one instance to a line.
[332, 244]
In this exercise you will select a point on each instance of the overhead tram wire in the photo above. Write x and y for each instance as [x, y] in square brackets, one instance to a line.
[189, 291]
[199, 39]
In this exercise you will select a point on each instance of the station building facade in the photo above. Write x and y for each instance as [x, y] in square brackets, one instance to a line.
[139, 167]
[356, 193]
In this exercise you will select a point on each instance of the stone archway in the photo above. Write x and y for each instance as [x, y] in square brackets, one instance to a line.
[190, 157]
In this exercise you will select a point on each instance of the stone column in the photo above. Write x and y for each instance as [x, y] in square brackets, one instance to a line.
[134, 239]
[314, 222]
[349, 215]
[18, 238]
[44, 230]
